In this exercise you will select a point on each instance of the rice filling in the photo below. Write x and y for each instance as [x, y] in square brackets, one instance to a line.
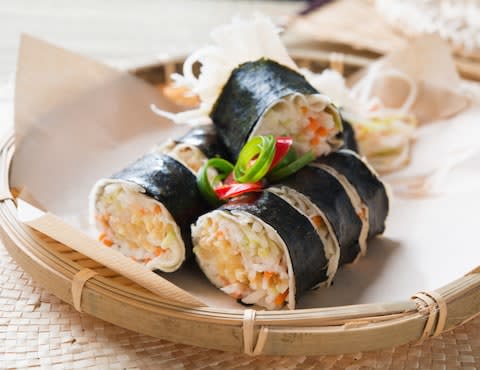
[308, 119]
[134, 222]
[138, 226]
[244, 257]
[188, 155]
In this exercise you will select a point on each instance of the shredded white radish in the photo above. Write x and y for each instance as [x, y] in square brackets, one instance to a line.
[333, 84]
[384, 135]
[241, 41]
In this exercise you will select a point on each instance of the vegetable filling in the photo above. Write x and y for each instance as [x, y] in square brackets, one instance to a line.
[310, 120]
[189, 155]
[243, 257]
[386, 141]
[138, 226]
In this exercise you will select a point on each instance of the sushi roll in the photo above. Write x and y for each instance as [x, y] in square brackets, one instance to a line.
[145, 210]
[197, 144]
[264, 97]
[261, 249]
[320, 222]
[334, 206]
[367, 192]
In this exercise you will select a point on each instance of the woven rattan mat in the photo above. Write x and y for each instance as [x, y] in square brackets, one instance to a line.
[39, 330]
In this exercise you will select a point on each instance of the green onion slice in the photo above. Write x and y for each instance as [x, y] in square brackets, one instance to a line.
[224, 168]
[254, 159]
[292, 167]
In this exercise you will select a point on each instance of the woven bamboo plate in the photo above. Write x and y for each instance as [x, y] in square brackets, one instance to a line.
[104, 294]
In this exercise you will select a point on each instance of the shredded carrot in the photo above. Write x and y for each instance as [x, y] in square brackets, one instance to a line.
[219, 234]
[317, 220]
[361, 133]
[304, 110]
[107, 242]
[102, 236]
[312, 124]
[103, 219]
[147, 260]
[133, 258]
[159, 251]
[280, 299]
[322, 131]
[314, 141]
[180, 95]
[157, 209]
[142, 211]
[268, 274]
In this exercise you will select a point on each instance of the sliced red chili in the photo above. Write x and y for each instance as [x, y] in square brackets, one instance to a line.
[247, 198]
[233, 190]
[282, 146]
[229, 179]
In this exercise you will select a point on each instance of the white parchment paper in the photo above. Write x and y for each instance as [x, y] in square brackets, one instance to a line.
[78, 120]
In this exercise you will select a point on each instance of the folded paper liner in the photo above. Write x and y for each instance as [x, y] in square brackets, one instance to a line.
[77, 120]
[56, 91]
[420, 77]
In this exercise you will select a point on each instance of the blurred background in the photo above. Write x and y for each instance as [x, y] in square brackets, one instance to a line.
[127, 32]
[122, 32]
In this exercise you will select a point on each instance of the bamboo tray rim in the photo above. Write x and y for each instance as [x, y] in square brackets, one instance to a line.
[426, 314]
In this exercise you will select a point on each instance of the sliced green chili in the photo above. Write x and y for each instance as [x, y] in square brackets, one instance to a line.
[289, 158]
[292, 167]
[255, 159]
[223, 167]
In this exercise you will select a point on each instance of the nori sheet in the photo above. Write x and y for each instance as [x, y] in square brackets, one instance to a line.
[205, 138]
[371, 190]
[330, 197]
[303, 243]
[348, 136]
[170, 183]
[251, 89]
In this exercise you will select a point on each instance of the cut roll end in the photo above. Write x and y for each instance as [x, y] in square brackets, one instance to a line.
[311, 120]
[136, 225]
[188, 155]
[245, 258]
